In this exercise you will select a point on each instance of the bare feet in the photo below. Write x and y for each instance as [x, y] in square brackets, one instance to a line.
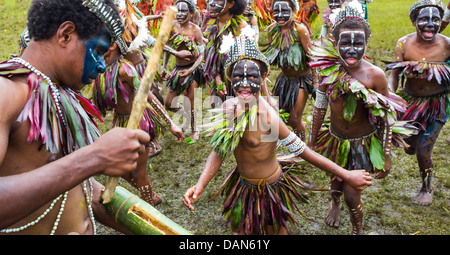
[155, 149]
[333, 217]
[195, 135]
[156, 199]
[425, 197]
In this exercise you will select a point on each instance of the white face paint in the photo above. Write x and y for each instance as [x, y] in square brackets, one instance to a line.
[352, 47]
[282, 12]
[428, 22]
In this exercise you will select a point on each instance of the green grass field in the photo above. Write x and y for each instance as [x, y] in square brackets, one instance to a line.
[388, 203]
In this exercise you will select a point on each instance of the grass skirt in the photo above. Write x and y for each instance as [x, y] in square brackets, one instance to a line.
[426, 110]
[252, 207]
[149, 123]
[358, 153]
[286, 89]
[183, 84]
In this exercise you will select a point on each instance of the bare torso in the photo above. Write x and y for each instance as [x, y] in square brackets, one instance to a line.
[359, 125]
[21, 157]
[255, 158]
[437, 51]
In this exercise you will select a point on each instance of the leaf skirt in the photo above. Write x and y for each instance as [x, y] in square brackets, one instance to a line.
[360, 153]
[426, 110]
[253, 207]
[183, 84]
[286, 89]
[149, 123]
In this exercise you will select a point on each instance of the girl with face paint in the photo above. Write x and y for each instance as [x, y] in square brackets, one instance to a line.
[361, 111]
[187, 75]
[225, 19]
[288, 44]
[421, 64]
[240, 130]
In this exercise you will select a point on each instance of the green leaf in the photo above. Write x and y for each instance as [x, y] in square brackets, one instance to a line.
[343, 152]
[376, 153]
[189, 140]
[349, 107]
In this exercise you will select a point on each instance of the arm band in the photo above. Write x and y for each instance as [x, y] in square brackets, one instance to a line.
[294, 144]
[321, 100]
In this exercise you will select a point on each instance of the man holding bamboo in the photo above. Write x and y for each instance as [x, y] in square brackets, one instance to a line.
[45, 118]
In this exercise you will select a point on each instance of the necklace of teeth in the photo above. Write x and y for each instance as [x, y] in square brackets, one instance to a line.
[53, 89]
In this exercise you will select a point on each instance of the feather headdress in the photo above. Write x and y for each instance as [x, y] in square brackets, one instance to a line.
[136, 33]
[349, 10]
[241, 47]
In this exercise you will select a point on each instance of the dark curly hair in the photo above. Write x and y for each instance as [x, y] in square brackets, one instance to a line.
[45, 17]
[238, 7]
[353, 24]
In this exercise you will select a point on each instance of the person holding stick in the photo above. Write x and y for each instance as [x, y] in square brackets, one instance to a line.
[45, 117]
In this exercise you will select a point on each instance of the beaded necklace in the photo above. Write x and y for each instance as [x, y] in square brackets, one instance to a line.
[56, 96]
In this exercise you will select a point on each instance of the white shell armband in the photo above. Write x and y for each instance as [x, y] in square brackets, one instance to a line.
[294, 144]
[321, 100]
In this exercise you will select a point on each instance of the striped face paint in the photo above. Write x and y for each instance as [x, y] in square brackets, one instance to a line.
[428, 23]
[282, 12]
[352, 47]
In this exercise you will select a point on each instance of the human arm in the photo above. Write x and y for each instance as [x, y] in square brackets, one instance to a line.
[359, 179]
[159, 108]
[113, 154]
[212, 166]
[201, 52]
[319, 112]
[445, 18]
[380, 86]
[398, 57]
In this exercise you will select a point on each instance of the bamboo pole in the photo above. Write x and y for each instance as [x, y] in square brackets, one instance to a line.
[140, 101]
[139, 217]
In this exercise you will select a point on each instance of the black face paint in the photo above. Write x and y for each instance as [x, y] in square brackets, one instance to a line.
[352, 47]
[246, 79]
[428, 23]
[183, 12]
[282, 12]
[216, 6]
[334, 4]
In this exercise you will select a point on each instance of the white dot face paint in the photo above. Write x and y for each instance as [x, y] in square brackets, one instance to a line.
[428, 23]
[352, 47]
[282, 12]
[246, 79]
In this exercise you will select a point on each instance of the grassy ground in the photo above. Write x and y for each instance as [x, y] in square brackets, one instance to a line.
[388, 203]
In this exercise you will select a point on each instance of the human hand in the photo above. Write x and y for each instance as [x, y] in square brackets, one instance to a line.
[117, 151]
[176, 131]
[380, 174]
[184, 54]
[358, 179]
[184, 73]
[191, 196]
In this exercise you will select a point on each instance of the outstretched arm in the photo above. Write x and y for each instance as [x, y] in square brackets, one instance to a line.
[398, 56]
[359, 179]
[159, 108]
[210, 170]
